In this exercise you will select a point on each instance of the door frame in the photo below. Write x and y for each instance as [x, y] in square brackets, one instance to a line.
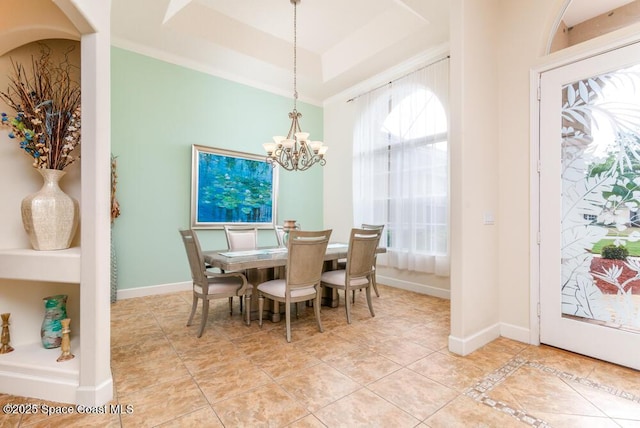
[606, 43]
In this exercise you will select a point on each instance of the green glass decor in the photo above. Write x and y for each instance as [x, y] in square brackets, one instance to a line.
[55, 310]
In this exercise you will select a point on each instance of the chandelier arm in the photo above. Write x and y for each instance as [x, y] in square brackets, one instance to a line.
[295, 127]
[297, 121]
[304, 155]
[310, 159]
[285, 158]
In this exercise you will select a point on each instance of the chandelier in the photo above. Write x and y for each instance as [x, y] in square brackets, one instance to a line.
[295, 152]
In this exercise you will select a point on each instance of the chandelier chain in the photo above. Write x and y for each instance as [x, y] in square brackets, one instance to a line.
[295, 54]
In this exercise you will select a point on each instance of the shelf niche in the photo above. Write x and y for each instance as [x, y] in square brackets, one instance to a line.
[26, 276]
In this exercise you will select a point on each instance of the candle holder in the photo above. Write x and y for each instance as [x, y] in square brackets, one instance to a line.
[5, 347]
[65, 344]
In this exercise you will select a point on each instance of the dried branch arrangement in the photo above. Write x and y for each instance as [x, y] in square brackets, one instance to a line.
[46, 101]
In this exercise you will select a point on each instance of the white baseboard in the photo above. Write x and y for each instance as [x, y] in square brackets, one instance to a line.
[413, 286]
[128, 293]
[43, 388]
[465, 346]
[515, 332]
[95, 395]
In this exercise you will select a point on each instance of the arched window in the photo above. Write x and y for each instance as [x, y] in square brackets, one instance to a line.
[420, 103]
[401, 169]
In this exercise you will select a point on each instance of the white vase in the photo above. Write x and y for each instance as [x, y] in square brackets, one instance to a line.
[50, 216]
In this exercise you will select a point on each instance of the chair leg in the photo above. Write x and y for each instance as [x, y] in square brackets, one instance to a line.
[240, 303]
[205, 315]
[248, 307]
[193, 310]
[260, 306]
[375, 283]
[369, 300]
[287, 317]
[230, 305]
[347, 305]
[316, 309]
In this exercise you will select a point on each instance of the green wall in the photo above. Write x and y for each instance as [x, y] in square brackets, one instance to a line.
[158, 110]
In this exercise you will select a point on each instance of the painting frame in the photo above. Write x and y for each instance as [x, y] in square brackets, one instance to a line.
[231, 187]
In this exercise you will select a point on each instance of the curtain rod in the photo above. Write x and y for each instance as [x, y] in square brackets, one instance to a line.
[401, 77]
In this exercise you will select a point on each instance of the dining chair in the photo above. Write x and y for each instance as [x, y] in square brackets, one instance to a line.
[279, 230]
[343, 262]
[358, 272]
[241, 238]
[209, 285]
[379, 227]
[305, 259]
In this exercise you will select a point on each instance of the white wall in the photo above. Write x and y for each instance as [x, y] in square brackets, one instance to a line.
[93, 20]
[474, 174]
[526, 30]
[497, 44]
[339, 118]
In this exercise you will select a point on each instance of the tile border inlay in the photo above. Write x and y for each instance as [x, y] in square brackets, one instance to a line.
[586, 382]
[479, 392]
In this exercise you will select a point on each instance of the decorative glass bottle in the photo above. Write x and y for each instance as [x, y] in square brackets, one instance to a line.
[55, 310]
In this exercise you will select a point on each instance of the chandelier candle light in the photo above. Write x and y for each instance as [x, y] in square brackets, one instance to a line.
[295, 152]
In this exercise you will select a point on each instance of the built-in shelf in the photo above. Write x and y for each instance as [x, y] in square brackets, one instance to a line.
[30, 370]
[49, 266]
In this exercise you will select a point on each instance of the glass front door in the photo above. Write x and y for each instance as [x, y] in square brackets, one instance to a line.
[590, 206]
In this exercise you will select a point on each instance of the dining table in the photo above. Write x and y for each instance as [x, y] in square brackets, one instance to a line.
[266, 263]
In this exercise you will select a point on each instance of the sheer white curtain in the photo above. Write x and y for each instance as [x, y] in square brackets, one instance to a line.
[400, 168]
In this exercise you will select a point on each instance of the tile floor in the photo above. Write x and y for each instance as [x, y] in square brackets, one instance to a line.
[393, 370]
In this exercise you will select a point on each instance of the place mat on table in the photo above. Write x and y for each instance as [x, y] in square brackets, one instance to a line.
[271, 250]
[253, 252]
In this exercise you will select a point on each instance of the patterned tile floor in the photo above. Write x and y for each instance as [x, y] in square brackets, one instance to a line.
[393, 370]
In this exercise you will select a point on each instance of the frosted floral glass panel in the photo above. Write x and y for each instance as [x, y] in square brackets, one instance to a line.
[601, 198]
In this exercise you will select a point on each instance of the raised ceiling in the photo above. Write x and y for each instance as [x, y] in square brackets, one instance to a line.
[340, 43]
